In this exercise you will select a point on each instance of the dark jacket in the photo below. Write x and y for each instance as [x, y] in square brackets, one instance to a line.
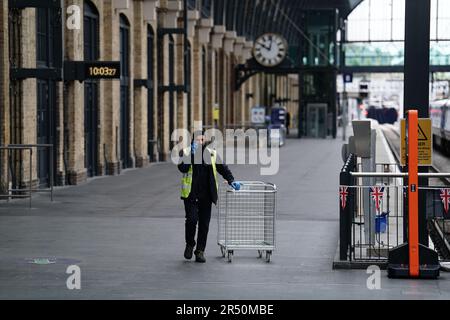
[203, 183]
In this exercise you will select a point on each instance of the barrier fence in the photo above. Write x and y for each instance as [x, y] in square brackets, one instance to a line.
[16, 184]
[380, 228]
[372, 210]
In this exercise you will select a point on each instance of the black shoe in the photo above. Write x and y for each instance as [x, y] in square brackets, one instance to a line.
[188, 252]
[199, 256]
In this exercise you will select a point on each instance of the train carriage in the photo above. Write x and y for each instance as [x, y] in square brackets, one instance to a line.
[440, 117]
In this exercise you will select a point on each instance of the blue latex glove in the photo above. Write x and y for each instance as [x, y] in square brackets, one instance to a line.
[236, 185]
[194, 147]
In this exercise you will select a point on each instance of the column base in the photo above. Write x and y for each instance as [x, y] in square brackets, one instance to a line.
[112, 168]
[142, 162]
[60, 179]
[75, 178]
[101, 170]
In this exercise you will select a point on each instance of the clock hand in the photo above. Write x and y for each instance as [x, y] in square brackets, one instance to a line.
[264, 46]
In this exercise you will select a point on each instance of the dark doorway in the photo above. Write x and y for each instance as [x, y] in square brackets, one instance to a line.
[125, 92]
[188, 73]
[46, 96]
[204, 104]
[91, 53]
[171, 92]
[46, 102]
[151, 93]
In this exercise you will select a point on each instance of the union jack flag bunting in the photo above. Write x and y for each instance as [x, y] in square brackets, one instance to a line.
[343, 194]
[377, 194]
[445, 197]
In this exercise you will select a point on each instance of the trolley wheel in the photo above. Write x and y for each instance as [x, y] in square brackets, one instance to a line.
[230, 256]
[260, 254]
[268, 256]
[223, 251]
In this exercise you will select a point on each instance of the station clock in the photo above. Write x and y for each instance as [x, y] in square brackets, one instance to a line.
[270, 49]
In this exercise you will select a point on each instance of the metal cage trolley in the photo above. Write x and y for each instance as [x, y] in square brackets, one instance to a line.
[247, 219]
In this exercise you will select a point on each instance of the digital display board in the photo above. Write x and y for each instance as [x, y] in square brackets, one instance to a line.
[102, 70]
[85, 70]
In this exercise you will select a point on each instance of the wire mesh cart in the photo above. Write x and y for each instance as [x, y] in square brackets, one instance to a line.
[247, 219]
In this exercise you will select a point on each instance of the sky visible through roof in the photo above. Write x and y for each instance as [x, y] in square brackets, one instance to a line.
[384, 20]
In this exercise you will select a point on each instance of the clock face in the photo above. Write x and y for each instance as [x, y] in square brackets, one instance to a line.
[270, 49]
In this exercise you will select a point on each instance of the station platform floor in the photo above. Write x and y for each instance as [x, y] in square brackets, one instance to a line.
[126, 233]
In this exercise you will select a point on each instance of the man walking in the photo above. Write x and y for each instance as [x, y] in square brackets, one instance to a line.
[199, 190]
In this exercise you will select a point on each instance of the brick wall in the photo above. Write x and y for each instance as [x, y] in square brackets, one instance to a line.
[140, 93]
[70, 123]
[29, 90]
[211, 83]
[110, 124]
[4, 89]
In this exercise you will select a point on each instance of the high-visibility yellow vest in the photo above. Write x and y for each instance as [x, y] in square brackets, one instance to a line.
[186, 180]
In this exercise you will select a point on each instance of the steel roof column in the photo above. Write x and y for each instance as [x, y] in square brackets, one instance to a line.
[417, 56]
[417, 65]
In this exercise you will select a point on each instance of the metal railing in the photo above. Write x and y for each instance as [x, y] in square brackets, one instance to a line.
[377, 223]
[398, 175]
[372, 211]
[439, 219]
[346, 205]
[27, 192]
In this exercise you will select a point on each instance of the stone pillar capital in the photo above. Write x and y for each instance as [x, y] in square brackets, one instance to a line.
[218, 34]
[239, 46]
[172, 9]
[193, 17]
[230, 39]
[150, 10]
[204, 29]
[121, 4]
[248, 50]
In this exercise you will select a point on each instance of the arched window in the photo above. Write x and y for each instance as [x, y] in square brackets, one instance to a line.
[91, 31]
[151, 91]
[91, 89]
[187, 66]
[171, 83]
[125, 92]
[204, 84]
[46, 95]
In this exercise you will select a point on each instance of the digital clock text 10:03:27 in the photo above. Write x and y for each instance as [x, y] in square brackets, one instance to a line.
[102, 72]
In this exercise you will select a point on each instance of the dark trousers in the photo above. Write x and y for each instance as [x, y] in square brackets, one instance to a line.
[197, 212]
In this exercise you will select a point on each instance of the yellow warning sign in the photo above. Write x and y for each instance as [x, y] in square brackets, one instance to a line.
[425, 142]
